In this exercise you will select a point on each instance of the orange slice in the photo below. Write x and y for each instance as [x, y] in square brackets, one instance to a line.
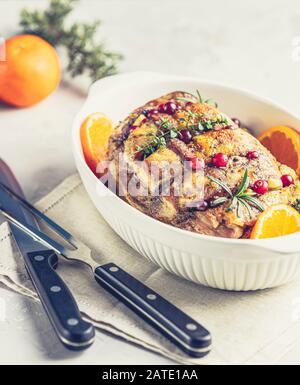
[94, 134]
[276, 221]
[284, 144]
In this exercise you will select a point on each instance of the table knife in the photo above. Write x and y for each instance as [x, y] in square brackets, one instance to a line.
[186, 333]
[40, 262]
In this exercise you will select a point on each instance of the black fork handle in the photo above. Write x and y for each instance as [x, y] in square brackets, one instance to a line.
[186, 333]
[58, 301]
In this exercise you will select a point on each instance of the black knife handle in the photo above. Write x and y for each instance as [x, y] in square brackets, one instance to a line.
[58, 301]
[182, 330]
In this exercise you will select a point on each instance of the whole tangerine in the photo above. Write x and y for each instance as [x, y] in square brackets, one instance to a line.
[31, 71]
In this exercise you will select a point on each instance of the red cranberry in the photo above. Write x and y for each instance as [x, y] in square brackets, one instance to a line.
[189, 104]
[144, 121]
[185, 136]
[228, 127]
[171, 108]
[197, 163]
[139, 155]
[220, 160]
[260, 187]
[236, 121]
[252, 155]
[168, 108]
[132, 128]
[287, 180]
[162, 108]
[201, 206]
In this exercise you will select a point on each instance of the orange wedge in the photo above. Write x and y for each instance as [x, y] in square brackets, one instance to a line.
[276, 221]
[284, 144]
[94, 134]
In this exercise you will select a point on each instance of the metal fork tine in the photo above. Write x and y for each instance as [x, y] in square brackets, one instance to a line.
[48, 242]
[49, 222]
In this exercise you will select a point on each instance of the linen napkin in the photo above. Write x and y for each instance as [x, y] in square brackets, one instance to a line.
[257, 327]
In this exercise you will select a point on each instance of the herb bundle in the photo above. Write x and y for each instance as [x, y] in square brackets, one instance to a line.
[166, 131]
[240, 199]
[84, 54]
[195, 122]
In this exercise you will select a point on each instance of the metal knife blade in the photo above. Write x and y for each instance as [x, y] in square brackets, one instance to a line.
[25, 243]
[59, 304]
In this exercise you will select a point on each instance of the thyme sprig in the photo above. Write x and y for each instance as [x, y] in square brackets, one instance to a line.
[241, 198]
[201, 100]
[199, 123]
[166, 131]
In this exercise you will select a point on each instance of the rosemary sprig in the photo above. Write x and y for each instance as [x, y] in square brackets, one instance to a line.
[201, 100]
[221, 184]
[255, 202]
[241, 197]
[199, 97]
[218, 202]
[244, 185]
[200, 124]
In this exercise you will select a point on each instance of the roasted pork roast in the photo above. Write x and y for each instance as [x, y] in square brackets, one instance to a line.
[238, 177]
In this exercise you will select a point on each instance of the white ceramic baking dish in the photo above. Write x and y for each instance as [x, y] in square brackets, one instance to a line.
[230, 264]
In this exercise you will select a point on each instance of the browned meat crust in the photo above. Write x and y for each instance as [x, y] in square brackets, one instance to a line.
[223, 136]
